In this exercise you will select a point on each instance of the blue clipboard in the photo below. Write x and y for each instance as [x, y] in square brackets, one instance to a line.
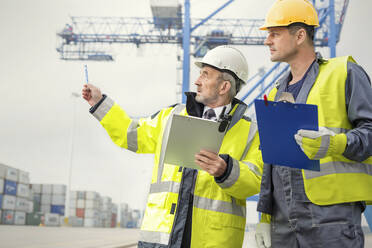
[278, 122]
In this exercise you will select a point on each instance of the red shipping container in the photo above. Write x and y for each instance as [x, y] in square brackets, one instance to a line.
[80, 212]
[113, 220]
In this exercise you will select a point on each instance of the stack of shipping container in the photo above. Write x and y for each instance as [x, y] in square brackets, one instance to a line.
[130, 218]
[22, 203]
[109, 212]
[49, 203]
[125, 215]
[89, 209]
[15, 196]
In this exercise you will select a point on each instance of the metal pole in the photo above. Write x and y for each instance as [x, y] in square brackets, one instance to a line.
[186, 51]
[332, 31]
[75, 96]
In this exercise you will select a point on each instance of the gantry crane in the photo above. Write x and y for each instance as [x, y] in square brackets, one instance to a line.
[88, 38]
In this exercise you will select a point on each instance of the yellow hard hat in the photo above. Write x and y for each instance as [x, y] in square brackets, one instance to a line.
[286, 12]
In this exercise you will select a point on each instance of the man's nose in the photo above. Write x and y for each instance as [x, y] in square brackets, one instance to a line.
[267, 41]
[198, 81]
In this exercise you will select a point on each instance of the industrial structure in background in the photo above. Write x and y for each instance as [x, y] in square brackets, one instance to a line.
[89, 38]
[24, 203]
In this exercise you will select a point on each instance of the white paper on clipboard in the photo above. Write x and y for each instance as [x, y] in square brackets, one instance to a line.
[187, 136]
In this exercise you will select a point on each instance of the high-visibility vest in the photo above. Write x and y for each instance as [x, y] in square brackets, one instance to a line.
[339, 179]
[218, 214]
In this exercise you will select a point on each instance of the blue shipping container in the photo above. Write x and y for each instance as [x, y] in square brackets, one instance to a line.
[1, 201]
[10, 188]
[58, 209]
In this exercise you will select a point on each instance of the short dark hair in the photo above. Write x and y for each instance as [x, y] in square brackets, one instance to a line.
[310, 30]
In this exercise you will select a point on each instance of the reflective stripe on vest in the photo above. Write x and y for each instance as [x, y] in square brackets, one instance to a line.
[132, 132]
[154, 237]
[339, 167]
[252, 132]
[237, 113]
[253, 168]
[165, 186]
[132, 136]
[219, 206]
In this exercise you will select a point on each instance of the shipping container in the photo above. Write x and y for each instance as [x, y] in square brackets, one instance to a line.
[80, 194]
[46, 189]
[46, 199]
[34, 219]
[30, 207]
[91, 195]
[19, 218]
[45, 208]
[21, 204]
[80, 203]
[72, 212]
[9, 202]
[73, 195]
[7, 217]
[58, 199]
[80, 212]
[37, 202]
[36, 188]
[10, 187]
[36, 198]
[23, 177]
[51, 219]
[91, 213]
[58, 209]
[91, 222]
[1, 186]
[75, 221]
[3, 169]
[58, 189]
[11, 174]
[72, 203]
[92, 204]
[23, 190]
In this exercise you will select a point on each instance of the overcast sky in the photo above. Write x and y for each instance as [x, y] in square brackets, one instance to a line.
[37, 110]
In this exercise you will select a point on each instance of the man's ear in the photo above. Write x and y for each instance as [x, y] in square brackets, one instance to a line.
[225, 87]
[301, 36]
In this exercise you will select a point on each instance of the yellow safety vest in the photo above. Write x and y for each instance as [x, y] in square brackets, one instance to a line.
[218, 214]
[339, 179]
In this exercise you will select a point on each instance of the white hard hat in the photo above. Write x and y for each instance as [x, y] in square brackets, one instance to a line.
[226, 58]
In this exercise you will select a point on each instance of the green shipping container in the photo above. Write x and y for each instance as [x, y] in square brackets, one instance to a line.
[33, 219]
[36, 205]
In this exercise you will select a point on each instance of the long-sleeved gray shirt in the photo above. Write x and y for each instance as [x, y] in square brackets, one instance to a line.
[359, 110]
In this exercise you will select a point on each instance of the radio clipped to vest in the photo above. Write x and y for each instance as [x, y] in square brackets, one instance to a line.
[224, 120]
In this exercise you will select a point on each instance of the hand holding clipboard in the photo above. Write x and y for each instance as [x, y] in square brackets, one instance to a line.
[278, 122]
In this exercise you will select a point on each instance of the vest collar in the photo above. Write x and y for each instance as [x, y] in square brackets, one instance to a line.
[308, 81]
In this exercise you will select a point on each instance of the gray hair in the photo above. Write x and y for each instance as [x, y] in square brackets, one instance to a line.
[235, 84]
